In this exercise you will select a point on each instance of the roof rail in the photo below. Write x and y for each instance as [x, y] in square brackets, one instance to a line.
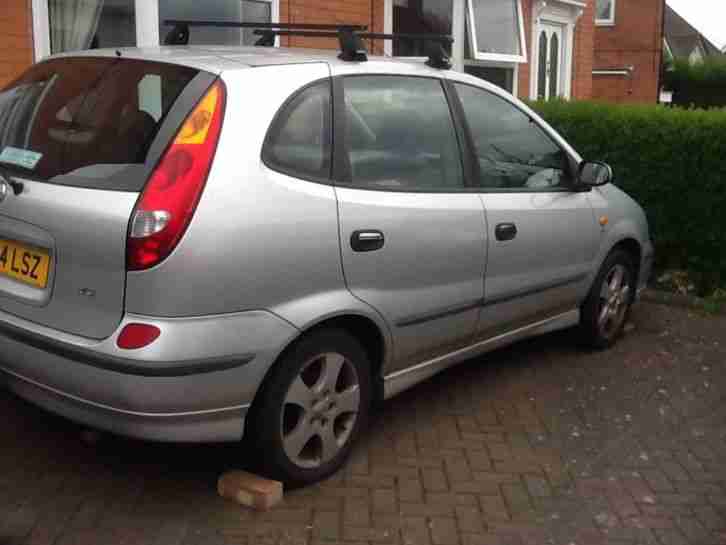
[350, 37]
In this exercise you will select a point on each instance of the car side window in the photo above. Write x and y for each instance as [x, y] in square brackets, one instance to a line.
[400, 134]
[514, 153]
[299, 141]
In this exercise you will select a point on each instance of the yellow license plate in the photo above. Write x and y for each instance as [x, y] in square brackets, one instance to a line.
[24, 263]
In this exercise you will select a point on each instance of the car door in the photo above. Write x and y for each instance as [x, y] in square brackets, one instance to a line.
[542, 232]
[412, 237]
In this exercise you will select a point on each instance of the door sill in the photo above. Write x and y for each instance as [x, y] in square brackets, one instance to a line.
[400, 381]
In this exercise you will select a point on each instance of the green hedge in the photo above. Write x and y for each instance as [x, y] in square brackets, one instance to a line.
[702, 84]
[672, 161]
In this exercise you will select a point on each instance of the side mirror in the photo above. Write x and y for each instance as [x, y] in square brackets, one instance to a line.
[595, 174]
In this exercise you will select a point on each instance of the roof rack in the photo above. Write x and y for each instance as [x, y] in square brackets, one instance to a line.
[350, 37]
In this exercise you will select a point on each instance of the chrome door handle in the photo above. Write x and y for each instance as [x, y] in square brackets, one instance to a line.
[368, 240]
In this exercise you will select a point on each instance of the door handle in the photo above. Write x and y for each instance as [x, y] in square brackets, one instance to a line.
[368, 240]
[505, 232]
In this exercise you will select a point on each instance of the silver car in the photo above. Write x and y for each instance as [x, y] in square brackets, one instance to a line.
[198, 244]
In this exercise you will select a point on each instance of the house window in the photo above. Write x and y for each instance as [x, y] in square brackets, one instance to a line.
[500, 76]
[605, 12]
[75, 25]
[250, 11]
[420, 17]
[496, 30]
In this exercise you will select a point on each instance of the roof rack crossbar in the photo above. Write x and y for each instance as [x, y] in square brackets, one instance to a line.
[350, 37]
[271, 26]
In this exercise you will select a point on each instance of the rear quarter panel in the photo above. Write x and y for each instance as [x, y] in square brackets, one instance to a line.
[259, 240]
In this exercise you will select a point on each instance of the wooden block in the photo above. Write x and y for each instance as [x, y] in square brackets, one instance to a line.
[250, 490]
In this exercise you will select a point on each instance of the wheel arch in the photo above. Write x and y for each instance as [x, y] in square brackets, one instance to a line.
[372, 337]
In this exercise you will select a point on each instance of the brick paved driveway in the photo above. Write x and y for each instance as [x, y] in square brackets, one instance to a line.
[540, 443]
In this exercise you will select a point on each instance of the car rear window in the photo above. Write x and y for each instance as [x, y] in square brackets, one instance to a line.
[77, 116]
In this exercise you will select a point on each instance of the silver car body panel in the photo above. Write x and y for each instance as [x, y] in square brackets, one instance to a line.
[84, 230]
[267, 257]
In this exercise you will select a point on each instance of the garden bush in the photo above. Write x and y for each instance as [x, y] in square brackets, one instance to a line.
[673, 162]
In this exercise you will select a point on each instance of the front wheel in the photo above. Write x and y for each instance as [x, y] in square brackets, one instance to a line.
[607, 306]
[312, 408]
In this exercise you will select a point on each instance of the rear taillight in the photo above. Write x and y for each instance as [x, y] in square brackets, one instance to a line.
[170, 198]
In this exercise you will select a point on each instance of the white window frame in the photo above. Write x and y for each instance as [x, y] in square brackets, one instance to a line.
[496, 57]
[147, 24]
[458, 31]
[610, 21]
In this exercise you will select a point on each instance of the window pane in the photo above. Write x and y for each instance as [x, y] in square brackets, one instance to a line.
[254, 11]
[513, 152]
[604, 9]
[420, 17]
[554, 65]
[542, 67]
[72, 115]
[497, 26]
[501, 77]
[234, 11]
[400, 134]
[90, 24]
[299, 140]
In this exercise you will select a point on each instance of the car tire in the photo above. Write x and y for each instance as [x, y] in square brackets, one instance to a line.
[607, 307]
[312, 408]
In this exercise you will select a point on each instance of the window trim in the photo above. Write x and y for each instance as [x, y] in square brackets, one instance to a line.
[147, 24]
[342, 170]
[471, 147]
[496, 57]
[610, 21]
[274, 127]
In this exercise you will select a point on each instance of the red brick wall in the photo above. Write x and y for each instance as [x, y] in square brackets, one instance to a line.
[582, 63]
[635, 40]
[362, 12]
[16, 39]
[526, 69]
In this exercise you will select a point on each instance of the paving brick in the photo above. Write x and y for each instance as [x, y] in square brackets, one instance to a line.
[415, 531]
[384, 500]
[470, 519]
[443, 531]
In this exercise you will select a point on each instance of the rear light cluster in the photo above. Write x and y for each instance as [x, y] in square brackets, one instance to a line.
[168, 202]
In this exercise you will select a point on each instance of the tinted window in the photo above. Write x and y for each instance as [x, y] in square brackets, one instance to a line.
[67, 116]
[512, 150]
[299, 141]
[400, 134]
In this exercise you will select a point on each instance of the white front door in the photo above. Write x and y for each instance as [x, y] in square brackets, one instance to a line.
[550, 61]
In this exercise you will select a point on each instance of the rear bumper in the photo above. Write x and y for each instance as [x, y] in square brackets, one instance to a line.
[194, 384]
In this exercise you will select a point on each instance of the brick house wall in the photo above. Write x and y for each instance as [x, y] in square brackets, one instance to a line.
[16, 39]
[360, 12]
[635, 40]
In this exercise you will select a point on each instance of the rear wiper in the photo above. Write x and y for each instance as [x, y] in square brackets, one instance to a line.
[17, 186]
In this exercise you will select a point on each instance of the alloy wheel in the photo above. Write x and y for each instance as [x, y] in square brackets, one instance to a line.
[320, 410]
[614, 300]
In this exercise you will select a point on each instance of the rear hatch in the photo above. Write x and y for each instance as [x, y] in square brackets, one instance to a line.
[79, 138]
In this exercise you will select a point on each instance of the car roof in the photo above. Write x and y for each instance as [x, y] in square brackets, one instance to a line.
[217, 59]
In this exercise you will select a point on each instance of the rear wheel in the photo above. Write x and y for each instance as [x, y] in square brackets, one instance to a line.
[607, 306]
[312, 408]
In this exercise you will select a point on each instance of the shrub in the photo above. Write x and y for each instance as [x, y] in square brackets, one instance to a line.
[702, 84]
[673, 162]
